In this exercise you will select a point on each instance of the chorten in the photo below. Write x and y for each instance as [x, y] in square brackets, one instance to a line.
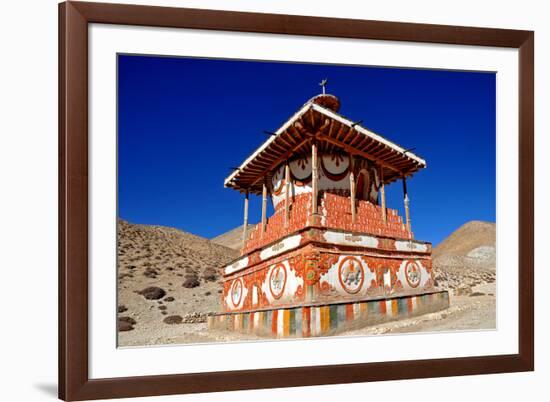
[332, 255]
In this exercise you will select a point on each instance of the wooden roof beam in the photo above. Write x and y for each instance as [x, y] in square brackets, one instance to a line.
[275, 146]
[290, 139]
[278, 161]
[350, 132]
[373, 147]
[341, 131]
[363, 141]
[285, 142]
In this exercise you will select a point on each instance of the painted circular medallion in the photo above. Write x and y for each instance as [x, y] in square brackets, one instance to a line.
[412, 274]
[277, 281]
[236, 292]
[278, 180]
[335, 166]
[300, 169]
[351, 274]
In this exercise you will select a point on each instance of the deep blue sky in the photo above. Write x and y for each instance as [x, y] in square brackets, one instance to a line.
[183, 122]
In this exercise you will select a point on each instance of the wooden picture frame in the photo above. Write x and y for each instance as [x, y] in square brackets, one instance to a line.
[74, 381]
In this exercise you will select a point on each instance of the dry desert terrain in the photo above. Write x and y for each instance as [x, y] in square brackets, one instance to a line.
[168, 281]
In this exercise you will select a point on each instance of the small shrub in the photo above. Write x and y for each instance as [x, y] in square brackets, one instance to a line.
[210, 274]
[153, 293]
[191, 282]
[173, 319]
[125, 324]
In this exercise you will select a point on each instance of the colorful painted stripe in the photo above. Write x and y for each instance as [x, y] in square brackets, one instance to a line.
[310, 321]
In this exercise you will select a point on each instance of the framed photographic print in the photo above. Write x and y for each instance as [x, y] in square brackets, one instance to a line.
[260, 200]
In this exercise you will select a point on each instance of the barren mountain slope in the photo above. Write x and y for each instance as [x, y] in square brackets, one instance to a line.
[467, 238]
[232, 239]
[165, 272]
[467, 257]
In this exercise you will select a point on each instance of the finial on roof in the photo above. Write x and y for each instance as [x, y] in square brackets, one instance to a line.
[323, 84]
[325, 100]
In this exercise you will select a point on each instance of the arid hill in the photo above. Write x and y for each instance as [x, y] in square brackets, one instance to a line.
[232, 239]
[165, 273]
[467, 257]
[468, 237]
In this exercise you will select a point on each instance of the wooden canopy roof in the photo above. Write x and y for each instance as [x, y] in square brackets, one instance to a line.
[315, 121]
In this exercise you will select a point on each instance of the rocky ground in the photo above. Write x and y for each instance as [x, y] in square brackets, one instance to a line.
[169, 282]
[166, 278]
[475, 311]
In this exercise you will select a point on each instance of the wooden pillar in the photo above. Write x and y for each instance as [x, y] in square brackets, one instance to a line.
[287, 194]
[245, 223]
[406, 202]
[314, 178]
[352, 196]
[352, 190]
[383, 195]
[264, 206]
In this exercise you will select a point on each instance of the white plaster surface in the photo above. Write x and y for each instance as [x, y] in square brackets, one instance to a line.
[236, 266]
[348, 239]
[280, 247]
[332, 277]
[229, 299]
[424, 275]
[324, 182]
[291, 285]
[405, 245]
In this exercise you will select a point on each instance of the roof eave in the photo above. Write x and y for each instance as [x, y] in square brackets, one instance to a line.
[329, 113]
[272, 138]
[368, 133]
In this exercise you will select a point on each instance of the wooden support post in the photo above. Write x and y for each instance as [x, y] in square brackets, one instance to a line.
[314, 178]
[264, 206]
[406, 201]
[245, 223]
[383, 195]
[287, 195]
[352, 191]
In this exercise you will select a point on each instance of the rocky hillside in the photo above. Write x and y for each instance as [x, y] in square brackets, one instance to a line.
[467, 238]
[166, 275]
[232, 239]
[467, 257]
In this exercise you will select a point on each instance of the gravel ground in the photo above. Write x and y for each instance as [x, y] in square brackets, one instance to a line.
[466, 313]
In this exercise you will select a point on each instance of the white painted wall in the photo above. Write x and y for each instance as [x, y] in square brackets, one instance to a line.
[347, 239]
[332, 277]
[281, 247]
[292, 283]
[302, 168]
[424, 275]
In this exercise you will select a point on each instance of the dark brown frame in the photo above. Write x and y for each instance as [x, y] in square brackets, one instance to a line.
[74, 383]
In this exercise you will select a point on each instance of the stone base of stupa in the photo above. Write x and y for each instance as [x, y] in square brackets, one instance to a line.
[327, 319]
